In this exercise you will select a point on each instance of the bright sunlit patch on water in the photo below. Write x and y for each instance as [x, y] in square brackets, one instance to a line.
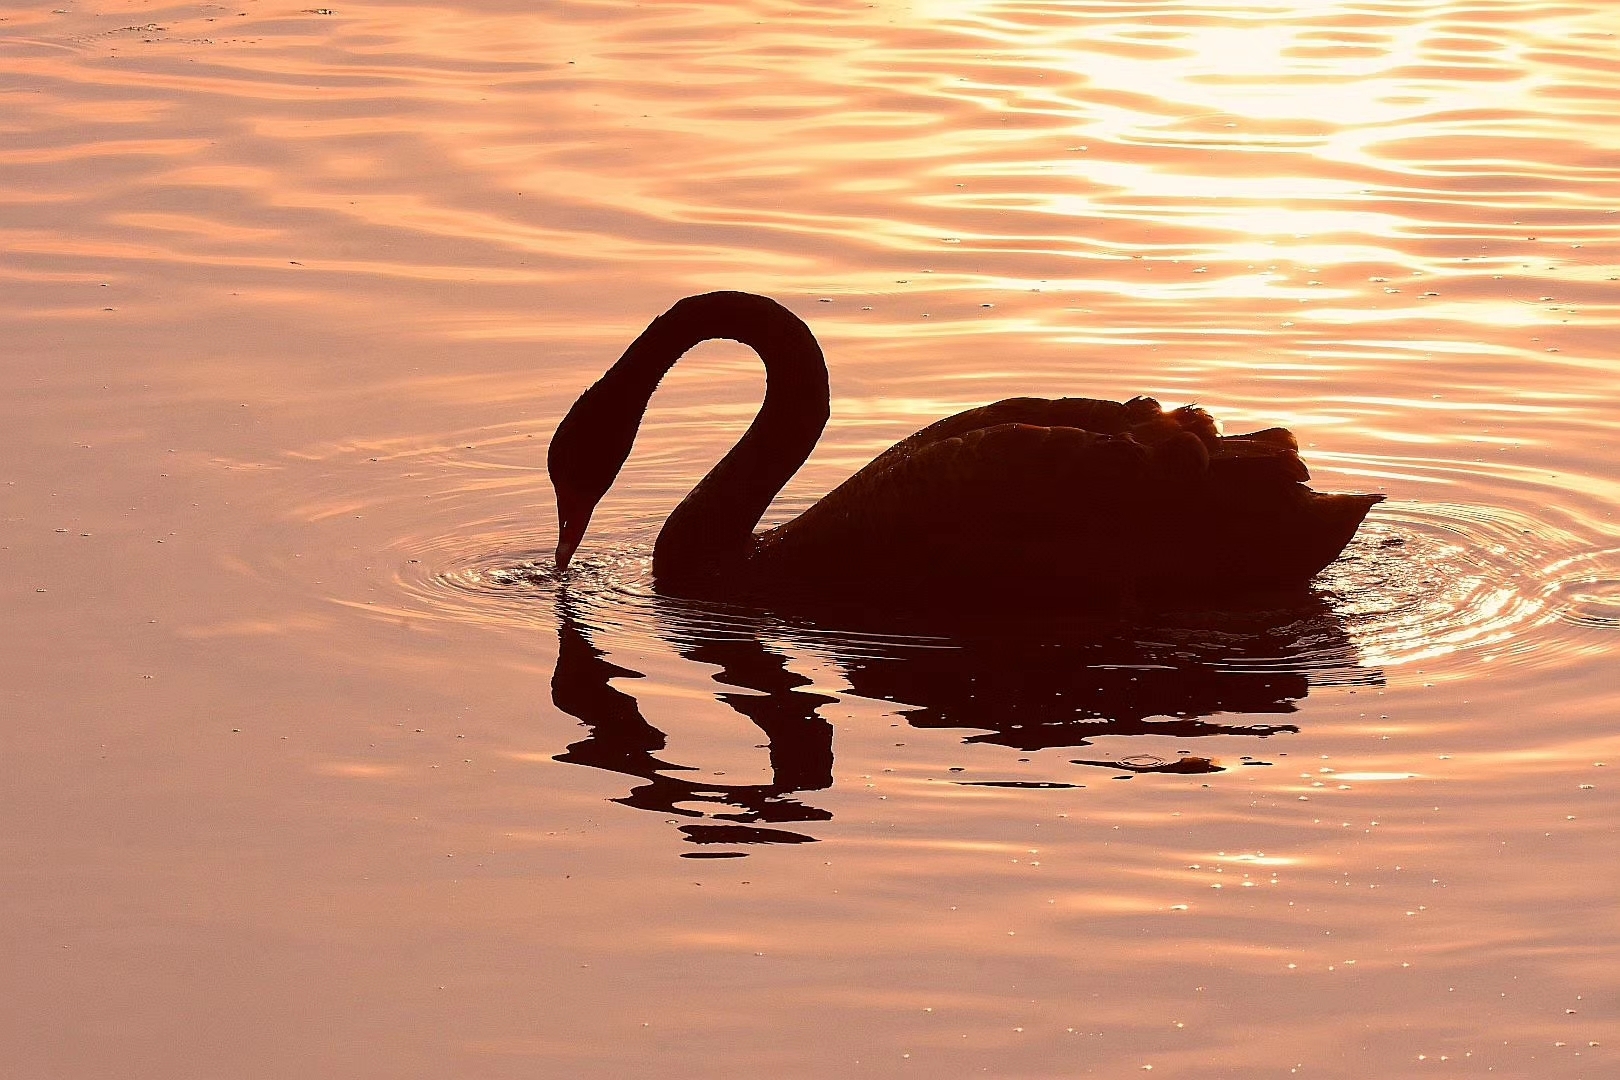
[1251, 858]
[361, 770]
[1428, 581]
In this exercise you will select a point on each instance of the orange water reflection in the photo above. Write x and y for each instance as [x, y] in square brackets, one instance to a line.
[293, 300]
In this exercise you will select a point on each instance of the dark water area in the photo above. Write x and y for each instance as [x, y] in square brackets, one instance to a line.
[312, 763]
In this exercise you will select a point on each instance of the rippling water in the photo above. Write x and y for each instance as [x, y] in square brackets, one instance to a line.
[313, 764]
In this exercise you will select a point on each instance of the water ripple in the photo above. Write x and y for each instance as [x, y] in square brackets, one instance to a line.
[1424, 582]
[1433, 581]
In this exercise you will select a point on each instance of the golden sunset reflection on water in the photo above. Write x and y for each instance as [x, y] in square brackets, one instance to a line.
[315, 766]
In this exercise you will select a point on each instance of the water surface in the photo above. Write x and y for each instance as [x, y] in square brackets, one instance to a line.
[312, 766]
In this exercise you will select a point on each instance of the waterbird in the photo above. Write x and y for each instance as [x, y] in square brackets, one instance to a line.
[1068, 503]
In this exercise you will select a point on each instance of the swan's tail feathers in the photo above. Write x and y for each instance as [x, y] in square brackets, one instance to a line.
[1270, 454]
[1338, 517]
[1351, 510]
[1279, 437]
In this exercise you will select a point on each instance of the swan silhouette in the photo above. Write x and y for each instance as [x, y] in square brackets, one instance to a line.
[1027, 502]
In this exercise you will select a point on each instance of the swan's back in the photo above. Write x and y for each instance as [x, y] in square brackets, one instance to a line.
[1074, 497]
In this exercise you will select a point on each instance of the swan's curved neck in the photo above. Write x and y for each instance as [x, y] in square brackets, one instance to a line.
[711, 531]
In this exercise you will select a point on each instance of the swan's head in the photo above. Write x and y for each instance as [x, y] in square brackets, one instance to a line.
[587, 451]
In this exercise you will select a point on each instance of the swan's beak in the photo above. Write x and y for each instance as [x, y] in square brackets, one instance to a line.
[567, 543]
[570, 531]
[565, 551]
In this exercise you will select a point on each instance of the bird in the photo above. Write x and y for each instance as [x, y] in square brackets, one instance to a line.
[1027, 503]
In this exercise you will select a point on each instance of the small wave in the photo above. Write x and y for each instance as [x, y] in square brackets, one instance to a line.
[1426, 582]
[1422, 583]
[610, 590]
[491, 580]
[1586, 591]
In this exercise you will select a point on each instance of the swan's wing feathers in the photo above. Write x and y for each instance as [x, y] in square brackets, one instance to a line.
[1018, 470]
[1005, 491]
[1165, 500]
[1099, 415]
[1261, 456]
[1141, 417]
[1087, 414]
[1153, 425]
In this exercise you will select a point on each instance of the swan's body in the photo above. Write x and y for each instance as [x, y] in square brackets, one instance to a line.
[1037, 501]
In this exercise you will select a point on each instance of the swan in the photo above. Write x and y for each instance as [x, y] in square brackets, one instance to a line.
[1073, 501]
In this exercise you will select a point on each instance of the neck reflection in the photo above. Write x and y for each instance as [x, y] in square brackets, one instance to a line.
[621, 740]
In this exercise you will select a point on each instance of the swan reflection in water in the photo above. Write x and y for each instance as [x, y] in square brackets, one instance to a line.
[1026, 692]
